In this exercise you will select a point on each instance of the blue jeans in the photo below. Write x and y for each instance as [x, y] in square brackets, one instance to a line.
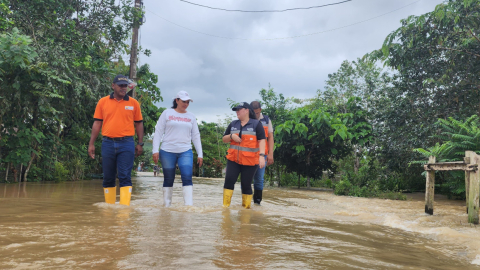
[258, 178]
[117, 158]
[185, 164]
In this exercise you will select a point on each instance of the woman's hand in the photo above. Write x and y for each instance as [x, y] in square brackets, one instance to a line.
[236, 138]
[155, 158]
[262, 162]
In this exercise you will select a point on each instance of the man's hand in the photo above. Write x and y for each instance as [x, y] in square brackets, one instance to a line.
[155, 158]
[200, 161]
[138, 150]
[269, 160]
[97, 125]
[91, 151]
[261, 162]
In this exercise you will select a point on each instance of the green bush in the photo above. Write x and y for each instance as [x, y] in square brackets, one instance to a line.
[61, 173]
[392, 196]
[77, 167]
[324, 182]
[344, 187]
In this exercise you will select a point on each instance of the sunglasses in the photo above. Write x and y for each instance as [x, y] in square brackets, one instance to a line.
[122, 85]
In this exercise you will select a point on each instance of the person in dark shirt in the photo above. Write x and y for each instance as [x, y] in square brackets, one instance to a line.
[246, 153]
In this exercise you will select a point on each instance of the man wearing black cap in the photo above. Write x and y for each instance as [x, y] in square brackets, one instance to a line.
[258, 179]
[118, 116]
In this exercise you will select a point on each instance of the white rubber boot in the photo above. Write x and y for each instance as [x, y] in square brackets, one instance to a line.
[167, 196]
[188, 195]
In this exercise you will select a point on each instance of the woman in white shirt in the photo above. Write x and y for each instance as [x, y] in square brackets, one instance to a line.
[176, 129]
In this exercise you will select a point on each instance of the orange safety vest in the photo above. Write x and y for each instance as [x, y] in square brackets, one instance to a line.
[248, 151]
[265, 120]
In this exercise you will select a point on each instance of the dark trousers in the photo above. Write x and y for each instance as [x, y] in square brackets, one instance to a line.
[117, 158]
[246, 176]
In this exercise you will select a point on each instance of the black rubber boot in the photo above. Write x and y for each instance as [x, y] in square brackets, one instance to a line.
[257, 196]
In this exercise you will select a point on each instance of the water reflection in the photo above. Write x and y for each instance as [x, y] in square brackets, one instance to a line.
[237, 247]
[67, 225]
[61, 225]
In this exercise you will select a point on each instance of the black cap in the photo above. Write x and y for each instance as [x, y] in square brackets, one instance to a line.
[120, 79]
[241, 105]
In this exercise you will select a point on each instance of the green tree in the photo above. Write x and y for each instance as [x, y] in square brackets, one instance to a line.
[214, 150]
[436, 74]
[311, 141]
[457, 137]
[57, 59]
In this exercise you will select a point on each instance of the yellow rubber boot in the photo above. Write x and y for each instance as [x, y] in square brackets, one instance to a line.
[110, 194]
[247, 200]
[125, 195]
[227, 197]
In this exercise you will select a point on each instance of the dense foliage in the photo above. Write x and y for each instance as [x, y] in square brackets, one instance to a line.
[426, 93]
[419, 90]
[57, 59]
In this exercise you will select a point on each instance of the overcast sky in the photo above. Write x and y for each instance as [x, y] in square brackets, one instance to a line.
[213, 69]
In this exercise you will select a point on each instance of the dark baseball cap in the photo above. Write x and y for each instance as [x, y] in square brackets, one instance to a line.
[120, 79]
[241, 105]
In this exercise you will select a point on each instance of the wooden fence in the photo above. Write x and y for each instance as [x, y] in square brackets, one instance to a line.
[470, 165]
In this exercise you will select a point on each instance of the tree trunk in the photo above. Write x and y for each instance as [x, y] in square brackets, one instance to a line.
[279, 176]
[270, 171]
[6, 172]
[14, 172]
[298, 181]
[356, 165]
[20, 173]
[306, 169]
[28, 167]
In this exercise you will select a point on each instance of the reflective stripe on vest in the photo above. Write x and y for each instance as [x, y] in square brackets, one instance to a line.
[246, 149]
[244, 132]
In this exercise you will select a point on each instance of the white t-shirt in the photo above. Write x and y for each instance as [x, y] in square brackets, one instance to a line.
[176, 131]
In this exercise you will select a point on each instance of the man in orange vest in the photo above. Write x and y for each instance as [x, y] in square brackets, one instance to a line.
[259, 175]
[118, 116]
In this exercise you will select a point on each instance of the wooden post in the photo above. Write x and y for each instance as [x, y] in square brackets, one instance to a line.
[134, 48]
[430, 188]
[467, 177]
[474, 190]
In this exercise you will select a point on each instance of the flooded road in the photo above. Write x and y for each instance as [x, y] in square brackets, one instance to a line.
[68, 226]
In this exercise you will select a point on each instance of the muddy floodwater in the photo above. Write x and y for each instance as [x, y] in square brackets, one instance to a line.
[68, 226]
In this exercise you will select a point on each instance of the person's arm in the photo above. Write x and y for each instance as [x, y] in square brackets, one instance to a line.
[97, 126]
[262, 151]
[139, 129]
[261, 141]
[157, 137]
[228, 137]
[271, 144]
[138, 121]
[197, 142]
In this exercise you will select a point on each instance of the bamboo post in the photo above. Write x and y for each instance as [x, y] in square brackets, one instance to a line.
[430, 188]
[467, 177]
[473, 197]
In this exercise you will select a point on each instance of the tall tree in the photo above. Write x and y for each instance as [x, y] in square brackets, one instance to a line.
[436, 74]
[58, 58]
